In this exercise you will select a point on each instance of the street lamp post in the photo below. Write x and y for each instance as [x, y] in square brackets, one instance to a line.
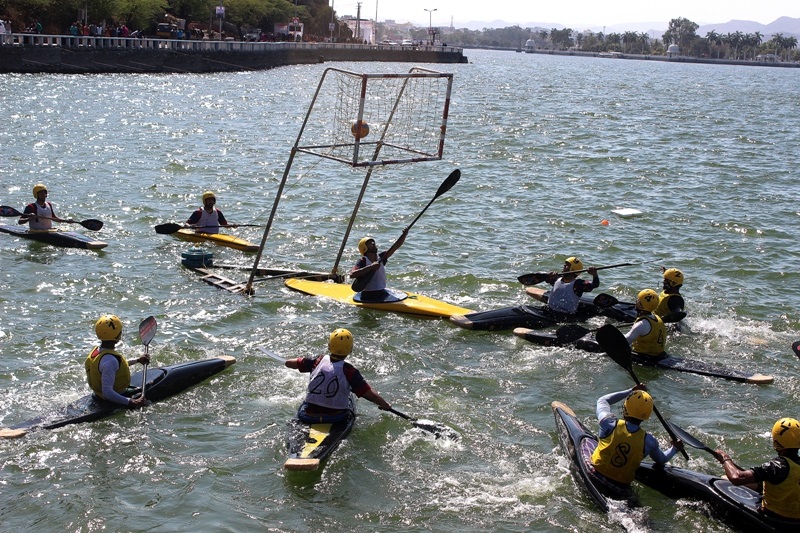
[430, 26]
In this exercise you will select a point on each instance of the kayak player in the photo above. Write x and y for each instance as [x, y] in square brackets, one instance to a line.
[648, 336]
[40, 208]
[107, 371]
[373, 264]
[779, 478]
[623, 444]
[670, 299]
[326, 401]
[208, 219]
[568, 287]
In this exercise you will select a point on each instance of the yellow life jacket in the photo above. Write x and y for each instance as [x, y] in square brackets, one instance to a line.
[92, 366]
[654, 342]
[618, 455]
[663, 304]
[784, 498]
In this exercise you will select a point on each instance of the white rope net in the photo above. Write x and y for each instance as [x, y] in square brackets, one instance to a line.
[378, 119]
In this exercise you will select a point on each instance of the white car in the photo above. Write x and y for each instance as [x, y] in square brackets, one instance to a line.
[407, 42]
[387, 42]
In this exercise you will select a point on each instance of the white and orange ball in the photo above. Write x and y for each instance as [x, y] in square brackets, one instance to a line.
[359, 129]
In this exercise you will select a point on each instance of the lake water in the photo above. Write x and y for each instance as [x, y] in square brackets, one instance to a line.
[547, 147]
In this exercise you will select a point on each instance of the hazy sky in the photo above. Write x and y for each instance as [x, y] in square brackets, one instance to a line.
[571, 13]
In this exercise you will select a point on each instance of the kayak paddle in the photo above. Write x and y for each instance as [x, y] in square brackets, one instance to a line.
[90, 223]
[361, 282]
[272, 354]
[535, 278]
[147, 330]
[439, 430]
[689, 439]
[616, 346]
[170, 227]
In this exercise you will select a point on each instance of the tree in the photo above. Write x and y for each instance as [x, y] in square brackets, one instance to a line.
[681, 31]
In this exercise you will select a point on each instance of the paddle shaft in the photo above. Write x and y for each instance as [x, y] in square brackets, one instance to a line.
[90, 224]
[538, 277]
[661, 419]
[361, 282]
[147, 330]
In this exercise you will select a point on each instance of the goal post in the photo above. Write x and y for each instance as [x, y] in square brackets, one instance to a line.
[377, 119]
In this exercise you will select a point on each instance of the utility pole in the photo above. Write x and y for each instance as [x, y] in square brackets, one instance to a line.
[358, 22]
[375, 39]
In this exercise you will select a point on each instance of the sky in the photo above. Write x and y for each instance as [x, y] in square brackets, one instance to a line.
[575, 14]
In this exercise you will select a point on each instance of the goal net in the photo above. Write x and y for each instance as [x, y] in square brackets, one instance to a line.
[366, 120]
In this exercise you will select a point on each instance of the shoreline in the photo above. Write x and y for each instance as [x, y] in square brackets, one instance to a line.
[61, 54]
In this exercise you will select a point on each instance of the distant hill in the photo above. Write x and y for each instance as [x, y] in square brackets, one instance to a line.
[788, 26]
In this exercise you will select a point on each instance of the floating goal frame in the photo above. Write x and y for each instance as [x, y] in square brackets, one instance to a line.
[407, 119]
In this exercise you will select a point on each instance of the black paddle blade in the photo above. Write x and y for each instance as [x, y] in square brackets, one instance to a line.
[359, 284]
[8, 211]
[615, 345]
[167, 229]
[604, 301]
[534, 278]
[448, 183]
[92, 224]
[689, 439]
[440, 431]
[796, 348]
[571, 333]
[675, 316]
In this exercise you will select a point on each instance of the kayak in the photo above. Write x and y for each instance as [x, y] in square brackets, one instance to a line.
[669, 362]
[578, 444]
[736, 505]
[55, 237]
[622, 311]
[221, 239]
[527, 316]
[395, 300]
[309, 444]
[162, 382]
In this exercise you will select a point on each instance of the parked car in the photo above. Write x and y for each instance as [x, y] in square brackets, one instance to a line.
[407, 42]
[387, 42]
[166, 30]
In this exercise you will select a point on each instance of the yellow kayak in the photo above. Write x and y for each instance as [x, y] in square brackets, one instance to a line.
[222, 239]
[399, 301]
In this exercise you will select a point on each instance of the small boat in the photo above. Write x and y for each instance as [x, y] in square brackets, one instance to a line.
[220, 239]
[578, 444]
[395, 300]
[162, 382]
[527, 316]
[737, 506]
[309, 444]
[55, 237]
[668, 362]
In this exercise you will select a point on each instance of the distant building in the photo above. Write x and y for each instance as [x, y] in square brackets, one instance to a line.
[673, 51]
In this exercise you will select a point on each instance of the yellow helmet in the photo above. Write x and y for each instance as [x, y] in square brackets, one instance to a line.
[207, 195]
[38, 188]
[674, 277]
[647, 300]
[108, 328]
[340, 342]
[574, 264]
[786, 434]
[362, 245]
[638, 404]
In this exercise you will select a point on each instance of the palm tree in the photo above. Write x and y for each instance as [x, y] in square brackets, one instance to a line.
[644, 38]
[714, 40]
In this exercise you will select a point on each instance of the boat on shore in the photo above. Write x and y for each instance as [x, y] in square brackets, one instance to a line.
[162, 382]
[55, 237]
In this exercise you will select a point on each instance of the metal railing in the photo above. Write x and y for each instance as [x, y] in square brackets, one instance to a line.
[185, 45]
